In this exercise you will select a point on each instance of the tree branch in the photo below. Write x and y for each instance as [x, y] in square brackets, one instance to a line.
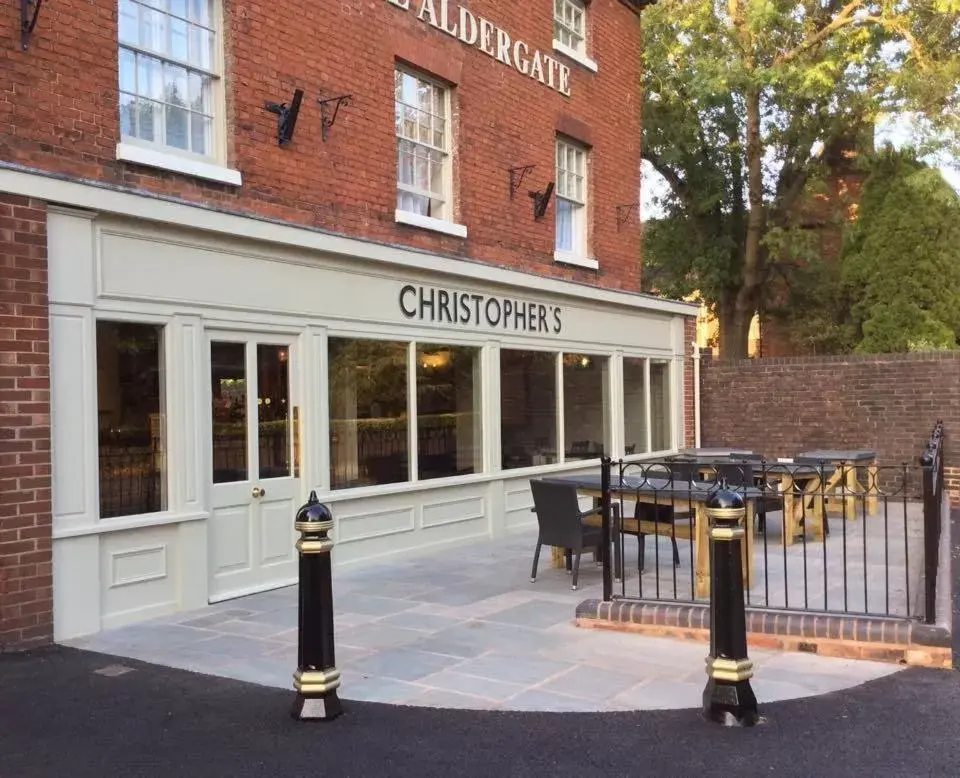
[842, 19]
[677, 184]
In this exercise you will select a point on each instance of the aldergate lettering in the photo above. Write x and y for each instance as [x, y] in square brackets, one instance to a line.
[457, 22]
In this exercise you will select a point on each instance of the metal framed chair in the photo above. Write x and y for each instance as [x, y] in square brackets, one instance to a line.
[561, 524]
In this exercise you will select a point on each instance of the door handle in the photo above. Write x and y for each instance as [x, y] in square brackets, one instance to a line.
[258, 492]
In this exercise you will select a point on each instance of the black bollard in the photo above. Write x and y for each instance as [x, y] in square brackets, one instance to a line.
[728, 697]
[317, 678]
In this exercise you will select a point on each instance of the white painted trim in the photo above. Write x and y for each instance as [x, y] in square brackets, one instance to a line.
[569, 258]
[576, 56]
[156, 209]
[429, 223]
[104, 526]
[130, 152]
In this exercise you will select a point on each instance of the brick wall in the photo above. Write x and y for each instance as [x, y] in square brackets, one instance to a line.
[59, 113]
[26, 593]
[887, 403]
[689, 395]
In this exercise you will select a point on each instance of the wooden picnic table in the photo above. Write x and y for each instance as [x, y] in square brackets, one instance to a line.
[686, 495]
[844, 476]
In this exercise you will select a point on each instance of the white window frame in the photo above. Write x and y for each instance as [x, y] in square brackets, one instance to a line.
[211, 166]
[443, 223]
[578, 254]
[578, 51]
[672, 400]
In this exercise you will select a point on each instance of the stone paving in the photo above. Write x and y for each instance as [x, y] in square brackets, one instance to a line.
[466, 629]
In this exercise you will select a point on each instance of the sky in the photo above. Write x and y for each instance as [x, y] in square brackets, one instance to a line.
[897, 131]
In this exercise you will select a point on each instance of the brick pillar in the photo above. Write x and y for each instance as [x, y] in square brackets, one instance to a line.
[26, 545]
[689, 391]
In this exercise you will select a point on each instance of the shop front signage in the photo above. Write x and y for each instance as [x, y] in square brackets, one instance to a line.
[467, 309]
[457, 22]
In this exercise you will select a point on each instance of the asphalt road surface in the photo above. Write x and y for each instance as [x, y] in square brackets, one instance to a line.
[60, 718]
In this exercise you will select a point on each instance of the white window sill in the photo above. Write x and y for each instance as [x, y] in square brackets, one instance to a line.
[130, 152]
[429, 223]
[576, 56]
[569, 258]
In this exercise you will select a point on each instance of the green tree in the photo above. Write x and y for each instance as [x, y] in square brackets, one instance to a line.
[901, 265]
[745, 104]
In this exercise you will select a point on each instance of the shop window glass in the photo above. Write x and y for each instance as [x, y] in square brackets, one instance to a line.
[368, 412]
[130, 416]
[449, 419]
[660, 405]
[584, 406]
[634, 406]
[528, 408]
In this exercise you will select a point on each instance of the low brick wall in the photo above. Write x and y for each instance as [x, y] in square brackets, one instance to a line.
[902, 641]
[887, 403]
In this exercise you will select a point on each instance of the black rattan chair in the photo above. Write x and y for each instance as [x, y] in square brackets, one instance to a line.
[561, 523]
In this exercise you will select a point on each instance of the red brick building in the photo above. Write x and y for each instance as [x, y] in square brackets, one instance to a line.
[385, 250]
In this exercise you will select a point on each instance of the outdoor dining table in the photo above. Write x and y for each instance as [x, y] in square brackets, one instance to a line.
[844, 477]
[685, 495]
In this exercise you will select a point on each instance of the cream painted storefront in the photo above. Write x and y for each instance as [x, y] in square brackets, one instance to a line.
[241, 304]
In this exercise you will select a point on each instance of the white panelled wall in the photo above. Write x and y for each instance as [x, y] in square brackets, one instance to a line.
[196, 284]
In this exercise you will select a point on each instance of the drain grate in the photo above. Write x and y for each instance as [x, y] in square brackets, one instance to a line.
[112, 671]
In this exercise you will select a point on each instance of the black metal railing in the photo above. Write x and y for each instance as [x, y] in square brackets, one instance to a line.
[934, 502]
[830, 537]
[131, 481]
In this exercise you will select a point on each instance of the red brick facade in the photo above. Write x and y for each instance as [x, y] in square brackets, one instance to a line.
[59, 116]
[26, 578]
[887, 403]
[689, 383]
[59, 113]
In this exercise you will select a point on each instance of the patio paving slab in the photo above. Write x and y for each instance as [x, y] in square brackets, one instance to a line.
[450, 637]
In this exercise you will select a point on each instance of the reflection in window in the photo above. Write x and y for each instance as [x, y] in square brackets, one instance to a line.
[130, 401]
[660, 422]
[228, 391]
[273, 410]
[449, 420]
[634, 406]
[368, 412]
[584, 406]
[528, 408]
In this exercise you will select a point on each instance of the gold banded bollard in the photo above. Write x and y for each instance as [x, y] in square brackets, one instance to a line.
[317, 678]
[728, 697]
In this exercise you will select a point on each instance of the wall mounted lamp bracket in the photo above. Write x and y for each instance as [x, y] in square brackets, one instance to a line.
[327, 117]
[28, 20]
[624, 212]
[286, 117]
[540, 201]
[516, 177]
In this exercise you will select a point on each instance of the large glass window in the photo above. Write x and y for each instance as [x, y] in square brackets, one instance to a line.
[449, 419]
[168, 70]
[585, 412]
[130, 417]
[634, 406]
[661, 426]
[569, 27]
[528, 408]
[368, 412]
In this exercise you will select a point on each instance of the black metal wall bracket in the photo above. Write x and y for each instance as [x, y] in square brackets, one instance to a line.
[327, 119]
[540, 201]
[516, 177]
[286, 117]
[28, 20]
[624, 212]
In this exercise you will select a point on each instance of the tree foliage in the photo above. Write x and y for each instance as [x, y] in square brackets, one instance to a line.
[901, 265]
[746, 105]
